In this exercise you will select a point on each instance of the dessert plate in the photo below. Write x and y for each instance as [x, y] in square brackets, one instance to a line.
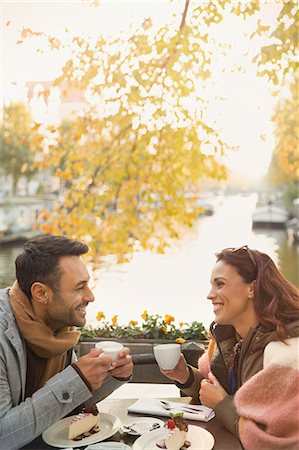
[137, 426]
[57, 434]
[108, 446]
[199, 438]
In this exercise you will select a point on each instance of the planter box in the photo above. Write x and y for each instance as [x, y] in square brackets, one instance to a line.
[147, 373]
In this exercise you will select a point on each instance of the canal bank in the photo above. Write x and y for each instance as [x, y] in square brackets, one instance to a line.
[177, 282]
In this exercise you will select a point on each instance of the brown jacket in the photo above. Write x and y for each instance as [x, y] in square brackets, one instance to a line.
[249, 362]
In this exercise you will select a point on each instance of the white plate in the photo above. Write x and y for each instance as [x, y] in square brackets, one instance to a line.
[108, 446]
[141, 425]
[199, 438]
[57, 434]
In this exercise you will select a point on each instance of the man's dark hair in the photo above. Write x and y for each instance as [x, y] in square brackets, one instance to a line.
[39, 260]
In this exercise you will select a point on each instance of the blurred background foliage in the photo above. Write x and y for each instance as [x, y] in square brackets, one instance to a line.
[131, 166]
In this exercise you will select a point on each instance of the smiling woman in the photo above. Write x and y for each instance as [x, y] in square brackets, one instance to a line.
[255, 308]
[232, 297]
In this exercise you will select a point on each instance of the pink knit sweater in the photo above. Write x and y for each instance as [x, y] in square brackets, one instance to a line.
[269, 401]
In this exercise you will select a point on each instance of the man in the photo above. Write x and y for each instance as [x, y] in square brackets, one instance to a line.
[40, 379]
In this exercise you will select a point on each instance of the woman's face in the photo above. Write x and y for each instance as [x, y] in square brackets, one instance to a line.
[231, 297]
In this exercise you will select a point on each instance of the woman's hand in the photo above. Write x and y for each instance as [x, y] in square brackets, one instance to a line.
[180, 373]
[123, 366]
[211, 392]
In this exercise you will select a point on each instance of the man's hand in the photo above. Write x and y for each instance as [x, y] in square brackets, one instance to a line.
[123, 366]
[93, 368]
[211, 392]
[180, 373]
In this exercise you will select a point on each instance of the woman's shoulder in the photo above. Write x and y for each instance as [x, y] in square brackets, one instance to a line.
[282, 353]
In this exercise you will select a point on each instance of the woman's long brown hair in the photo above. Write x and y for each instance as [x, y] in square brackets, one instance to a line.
[276, 300]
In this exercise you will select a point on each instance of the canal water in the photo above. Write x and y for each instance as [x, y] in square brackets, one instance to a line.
[177, 282]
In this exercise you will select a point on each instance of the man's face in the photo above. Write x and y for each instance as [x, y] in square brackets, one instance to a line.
[67, 306]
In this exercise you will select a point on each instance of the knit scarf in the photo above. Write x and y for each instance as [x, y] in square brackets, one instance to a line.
[39, 337]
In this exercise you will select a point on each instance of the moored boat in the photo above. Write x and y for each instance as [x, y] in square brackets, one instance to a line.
[292, 225]
[270, 215]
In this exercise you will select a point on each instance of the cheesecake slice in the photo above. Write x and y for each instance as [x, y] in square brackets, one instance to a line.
[87, 421]
[176, 434]
[175, 439]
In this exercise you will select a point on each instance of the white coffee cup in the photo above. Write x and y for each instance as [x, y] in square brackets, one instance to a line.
[167, 355]
[110, 348]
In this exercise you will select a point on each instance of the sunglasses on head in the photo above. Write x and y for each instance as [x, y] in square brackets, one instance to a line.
[245, 249]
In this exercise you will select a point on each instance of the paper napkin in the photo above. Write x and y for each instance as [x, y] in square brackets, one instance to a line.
[154, 406]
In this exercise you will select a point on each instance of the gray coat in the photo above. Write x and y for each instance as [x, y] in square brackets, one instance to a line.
[22, 420]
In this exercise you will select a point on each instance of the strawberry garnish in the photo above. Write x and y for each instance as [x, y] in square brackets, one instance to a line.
[170, 424]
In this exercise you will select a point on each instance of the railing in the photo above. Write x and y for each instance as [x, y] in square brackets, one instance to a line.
[143, 359]
[146, 369]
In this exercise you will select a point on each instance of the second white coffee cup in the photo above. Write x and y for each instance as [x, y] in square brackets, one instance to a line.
[167, 355]
[110, 348]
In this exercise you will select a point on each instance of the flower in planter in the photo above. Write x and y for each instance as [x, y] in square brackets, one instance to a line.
[153, 326]
[114, 320]
[144, 315]
[101, 316]
[168, 319]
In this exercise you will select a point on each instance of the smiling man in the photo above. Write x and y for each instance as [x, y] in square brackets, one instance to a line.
[41, 381]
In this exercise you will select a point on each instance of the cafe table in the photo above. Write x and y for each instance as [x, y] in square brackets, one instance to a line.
[224, 440]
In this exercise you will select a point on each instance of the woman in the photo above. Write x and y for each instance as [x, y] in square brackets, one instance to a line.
[249, 374]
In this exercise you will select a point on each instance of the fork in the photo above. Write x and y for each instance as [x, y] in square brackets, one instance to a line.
[168, 407]
[129, 428]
